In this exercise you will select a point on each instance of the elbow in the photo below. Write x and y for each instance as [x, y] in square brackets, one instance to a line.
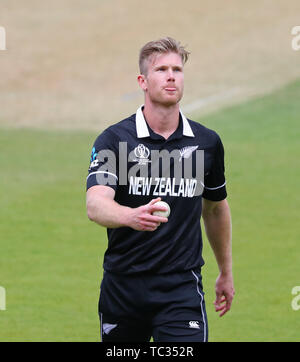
[214, 208]
[90, 210]
[90, 215]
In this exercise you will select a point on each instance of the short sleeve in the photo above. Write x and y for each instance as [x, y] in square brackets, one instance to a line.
[214, 181]
[103, 162]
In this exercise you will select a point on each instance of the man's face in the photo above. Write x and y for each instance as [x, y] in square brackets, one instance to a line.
[164, 81]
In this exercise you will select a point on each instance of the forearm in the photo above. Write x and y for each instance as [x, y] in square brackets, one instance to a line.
[107, 212]
[218, 228]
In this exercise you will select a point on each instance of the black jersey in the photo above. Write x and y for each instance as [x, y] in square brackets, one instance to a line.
[141, 165]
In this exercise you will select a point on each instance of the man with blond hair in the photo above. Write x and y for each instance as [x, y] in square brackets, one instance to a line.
[152, 284]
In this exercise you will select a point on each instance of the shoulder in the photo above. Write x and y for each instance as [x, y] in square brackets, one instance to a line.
[126, 125]
[205, 135]
[117, 131]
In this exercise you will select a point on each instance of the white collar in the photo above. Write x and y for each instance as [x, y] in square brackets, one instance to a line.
[142, 129]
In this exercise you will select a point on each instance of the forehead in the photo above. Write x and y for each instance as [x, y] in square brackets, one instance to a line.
[158, 59]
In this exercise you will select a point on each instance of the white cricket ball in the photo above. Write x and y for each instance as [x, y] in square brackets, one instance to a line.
[162, 213]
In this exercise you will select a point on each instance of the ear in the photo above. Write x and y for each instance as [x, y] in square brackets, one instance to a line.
[142, 82]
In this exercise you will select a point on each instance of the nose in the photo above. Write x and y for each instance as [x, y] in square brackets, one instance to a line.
[170, 75]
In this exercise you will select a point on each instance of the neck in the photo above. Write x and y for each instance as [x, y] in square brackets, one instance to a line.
[162, 120]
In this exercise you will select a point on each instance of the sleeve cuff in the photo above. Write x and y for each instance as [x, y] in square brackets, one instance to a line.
[218, 193]
[102, 178]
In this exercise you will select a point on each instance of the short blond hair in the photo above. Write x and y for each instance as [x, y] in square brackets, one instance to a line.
[163, 45]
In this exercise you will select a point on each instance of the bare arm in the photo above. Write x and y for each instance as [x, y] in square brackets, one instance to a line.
[217, 222]
[105, 211]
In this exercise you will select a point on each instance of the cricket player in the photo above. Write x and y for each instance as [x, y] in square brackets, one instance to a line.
[152, 283]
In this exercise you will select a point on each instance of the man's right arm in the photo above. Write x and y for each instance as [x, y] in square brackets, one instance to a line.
[105, 211]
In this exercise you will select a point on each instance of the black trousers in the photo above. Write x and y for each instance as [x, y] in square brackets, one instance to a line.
[168, 307]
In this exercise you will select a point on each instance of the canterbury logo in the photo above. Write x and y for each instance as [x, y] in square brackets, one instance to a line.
[194, 324]
[186, 152]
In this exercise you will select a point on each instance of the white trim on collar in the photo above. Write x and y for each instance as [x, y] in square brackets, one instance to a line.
[141, 125]
[187, 130]
[142, 129]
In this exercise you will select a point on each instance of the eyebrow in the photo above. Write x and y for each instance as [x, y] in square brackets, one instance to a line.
[166, 66]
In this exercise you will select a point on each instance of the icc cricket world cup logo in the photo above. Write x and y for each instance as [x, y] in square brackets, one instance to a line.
[142, 154]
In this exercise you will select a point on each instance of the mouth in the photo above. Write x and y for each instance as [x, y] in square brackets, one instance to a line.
[170, 89]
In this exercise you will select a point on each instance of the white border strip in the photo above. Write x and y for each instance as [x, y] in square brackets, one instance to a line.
[213, 188]
[101, 330]
[109, 173]
[201, 304]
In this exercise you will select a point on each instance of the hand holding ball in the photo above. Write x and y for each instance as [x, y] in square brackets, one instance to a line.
[165, 213]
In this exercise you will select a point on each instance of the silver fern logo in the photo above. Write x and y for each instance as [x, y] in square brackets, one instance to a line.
[186, 152]
[107, 327]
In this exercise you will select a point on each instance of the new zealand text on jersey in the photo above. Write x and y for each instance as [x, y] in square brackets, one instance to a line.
[162, 186]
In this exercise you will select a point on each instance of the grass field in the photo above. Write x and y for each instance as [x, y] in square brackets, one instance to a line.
[51, 255]
[74, 63]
